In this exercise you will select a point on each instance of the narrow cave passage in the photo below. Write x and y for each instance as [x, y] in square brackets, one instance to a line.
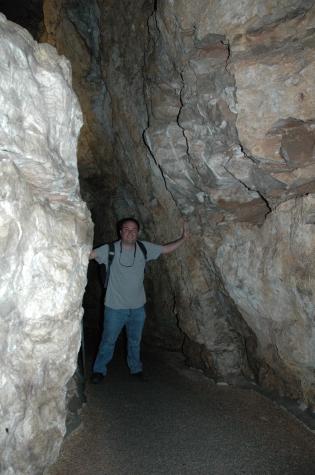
[178, 124]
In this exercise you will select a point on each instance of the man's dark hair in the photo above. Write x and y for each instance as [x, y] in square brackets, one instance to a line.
[124, 220]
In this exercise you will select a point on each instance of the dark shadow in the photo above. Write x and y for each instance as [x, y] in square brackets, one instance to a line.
[28, 14]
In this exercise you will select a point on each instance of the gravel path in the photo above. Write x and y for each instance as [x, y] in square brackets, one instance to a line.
[179, 423]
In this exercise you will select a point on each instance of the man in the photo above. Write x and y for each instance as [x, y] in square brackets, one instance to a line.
[125, 296]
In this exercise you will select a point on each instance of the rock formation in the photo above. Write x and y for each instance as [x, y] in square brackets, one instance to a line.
[205, 110]
[45, 237]
[202, 111]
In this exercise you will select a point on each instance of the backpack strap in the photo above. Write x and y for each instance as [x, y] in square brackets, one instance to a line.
[143, 249]
[111, 254]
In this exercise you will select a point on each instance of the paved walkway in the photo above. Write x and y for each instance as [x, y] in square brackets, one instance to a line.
[179, 423]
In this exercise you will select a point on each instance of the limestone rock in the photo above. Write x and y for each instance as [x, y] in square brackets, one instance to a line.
[273, 67]
[244, 75]
[269, 274]
[45, 239]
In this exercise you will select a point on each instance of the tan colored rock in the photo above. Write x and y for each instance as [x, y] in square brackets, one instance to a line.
[269, 274]
[278, 87]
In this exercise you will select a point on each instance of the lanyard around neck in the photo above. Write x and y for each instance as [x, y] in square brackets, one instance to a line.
[134, 256]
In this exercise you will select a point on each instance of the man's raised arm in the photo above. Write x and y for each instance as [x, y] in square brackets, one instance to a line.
[172, 246]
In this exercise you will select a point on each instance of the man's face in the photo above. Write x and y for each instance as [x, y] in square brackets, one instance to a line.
[129, 232]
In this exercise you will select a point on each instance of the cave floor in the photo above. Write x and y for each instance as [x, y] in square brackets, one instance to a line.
[181, 423]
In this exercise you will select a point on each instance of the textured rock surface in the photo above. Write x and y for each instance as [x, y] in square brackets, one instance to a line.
[270, 275]
[207, 112]
[44, 244]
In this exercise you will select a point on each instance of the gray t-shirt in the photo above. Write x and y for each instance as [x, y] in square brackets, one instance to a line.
[125, 287]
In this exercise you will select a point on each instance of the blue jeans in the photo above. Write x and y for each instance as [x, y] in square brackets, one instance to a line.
[114, 321]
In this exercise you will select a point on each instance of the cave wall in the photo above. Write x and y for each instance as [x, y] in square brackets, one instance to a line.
[205, 111]
[112, 182]
[231, 124]
[45, 238]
